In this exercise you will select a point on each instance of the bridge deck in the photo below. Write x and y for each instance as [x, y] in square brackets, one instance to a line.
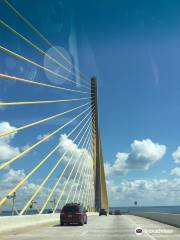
[111, 227]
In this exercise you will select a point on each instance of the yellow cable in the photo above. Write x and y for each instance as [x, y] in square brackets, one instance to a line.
[84, 194]
[14, 78]
[38, 122]
[79, 178]
[88, 176]
[37, 65]
[48, 176]
[69, 193]
[41, 102]
[88, 192]
[81, 172]
[35, 46]
[56, 183]
[53, 189]
[92, 190]
[68, 196]
[82, 189]
[69, 176]
[82, 186]
[3, 200]
[74, 179]
[40, 34]
[3, 165]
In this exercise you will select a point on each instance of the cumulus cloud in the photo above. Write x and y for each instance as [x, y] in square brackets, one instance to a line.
[6, 150]
[11, 177]
[143, 155]
[175, 172]
[176, 155]
[145, 192]
[119, 166]
[9, 180]
[80, 154]
[67, 144]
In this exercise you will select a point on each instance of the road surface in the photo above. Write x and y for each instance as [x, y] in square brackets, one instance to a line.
[102, 228]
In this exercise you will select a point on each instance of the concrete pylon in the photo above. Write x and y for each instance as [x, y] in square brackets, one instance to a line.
[101, 197]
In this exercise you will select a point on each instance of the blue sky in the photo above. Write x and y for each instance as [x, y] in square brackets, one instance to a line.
[133, 49]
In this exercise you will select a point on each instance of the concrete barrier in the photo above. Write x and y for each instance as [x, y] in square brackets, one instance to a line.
[16, 223]
[12, 223]
[168, 218]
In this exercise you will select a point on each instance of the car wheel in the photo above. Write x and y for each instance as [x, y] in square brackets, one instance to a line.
[81, 223]
[62, 224]
[85, 222]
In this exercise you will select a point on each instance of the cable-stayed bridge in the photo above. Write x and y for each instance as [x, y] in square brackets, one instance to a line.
[62, 161]
[80, 165]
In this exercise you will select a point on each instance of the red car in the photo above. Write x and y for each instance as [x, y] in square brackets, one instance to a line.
[73, 213]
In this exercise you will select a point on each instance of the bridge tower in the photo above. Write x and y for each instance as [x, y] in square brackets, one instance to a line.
[101, 198]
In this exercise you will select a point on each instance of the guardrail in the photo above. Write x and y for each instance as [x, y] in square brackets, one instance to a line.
[168, 218]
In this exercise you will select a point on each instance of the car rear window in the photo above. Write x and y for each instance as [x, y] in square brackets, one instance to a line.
[102, 210]
[71, 209]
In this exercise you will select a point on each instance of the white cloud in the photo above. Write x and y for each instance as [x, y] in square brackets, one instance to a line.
[176, 155]
[73, 153]
[6, 127]
[175, 172]
[11, 177]
[9, 180]
[68, 144]
[146, 192]
[143, 155]
[119, 166]
[6, 150]
[41, 136]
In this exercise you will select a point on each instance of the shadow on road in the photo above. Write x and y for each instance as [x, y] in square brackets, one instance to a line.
[67, 225]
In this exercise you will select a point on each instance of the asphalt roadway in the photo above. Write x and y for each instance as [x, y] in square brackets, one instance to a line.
[102, 228]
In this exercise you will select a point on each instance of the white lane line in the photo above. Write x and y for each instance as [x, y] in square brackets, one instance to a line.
[83, 234]
[147, 234]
